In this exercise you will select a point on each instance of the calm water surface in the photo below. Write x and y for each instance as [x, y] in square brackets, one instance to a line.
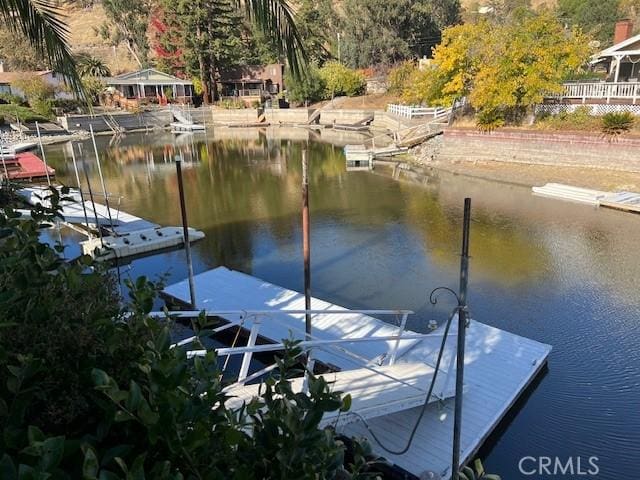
[559, 273]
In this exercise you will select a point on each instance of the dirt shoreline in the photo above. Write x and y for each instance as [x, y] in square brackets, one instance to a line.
[532, 175]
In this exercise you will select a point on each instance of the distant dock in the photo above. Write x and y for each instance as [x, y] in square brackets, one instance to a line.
[625, 201]
[112, 233]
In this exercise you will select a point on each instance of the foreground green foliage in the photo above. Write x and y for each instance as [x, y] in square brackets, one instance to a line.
[476, 473]
[92, 389]
[41, 23]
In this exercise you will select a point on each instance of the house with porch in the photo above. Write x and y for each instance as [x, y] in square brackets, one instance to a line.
[251, 83]
[618, 82]
[148, 86]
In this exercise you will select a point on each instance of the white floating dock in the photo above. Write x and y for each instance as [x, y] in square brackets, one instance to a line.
[127, 236]
[627, 201]
[570, 193]
[73, 212]
[498, 368]
[137, 243]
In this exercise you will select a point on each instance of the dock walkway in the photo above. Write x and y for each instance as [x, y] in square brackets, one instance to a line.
[498, 367]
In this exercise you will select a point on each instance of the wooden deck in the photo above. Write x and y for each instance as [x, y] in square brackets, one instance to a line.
[498, 368]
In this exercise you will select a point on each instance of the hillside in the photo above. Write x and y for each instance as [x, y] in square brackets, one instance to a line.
[83, 23]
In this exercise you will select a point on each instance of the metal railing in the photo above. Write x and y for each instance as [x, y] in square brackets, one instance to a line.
[601, 91]
[256, 317]
[411, 112]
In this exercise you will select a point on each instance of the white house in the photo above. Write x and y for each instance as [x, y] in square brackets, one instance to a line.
[8, 80]
[149, 85]
[621, 86]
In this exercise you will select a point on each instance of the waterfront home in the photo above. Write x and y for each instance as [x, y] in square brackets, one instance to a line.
[8, 81]
[252, 83]
[146, 86]
[620, 64]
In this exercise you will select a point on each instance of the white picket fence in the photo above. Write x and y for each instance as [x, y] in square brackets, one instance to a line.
[411, 112]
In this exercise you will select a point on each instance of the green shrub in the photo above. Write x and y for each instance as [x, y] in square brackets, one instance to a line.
[231, 103]
[615, 124]
[580, 119]
[68, 104]
[43, 107]
[94, 88]
[25, 114]
[340, 80]
[11, 99]
[310, 87]
[399, 77]
[92, 390]
[489, 120]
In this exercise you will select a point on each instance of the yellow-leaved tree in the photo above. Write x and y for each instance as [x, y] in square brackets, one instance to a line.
[502, 69]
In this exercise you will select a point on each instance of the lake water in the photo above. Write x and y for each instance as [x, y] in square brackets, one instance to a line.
[560, 273]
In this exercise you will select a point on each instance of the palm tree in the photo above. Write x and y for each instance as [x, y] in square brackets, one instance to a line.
[89, 66]
[42, 23]
[276, 19]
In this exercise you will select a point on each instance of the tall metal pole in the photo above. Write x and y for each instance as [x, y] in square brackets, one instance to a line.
[306, 244]
[104, 188]
[44, 157]
[185, 230]
[462, 325]
[93, 203]
[79, 184]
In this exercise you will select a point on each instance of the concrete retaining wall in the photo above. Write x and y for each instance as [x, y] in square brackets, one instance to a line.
[244, 115]
[540, 148]
[328, 117]
[128, 121]
[287, 115]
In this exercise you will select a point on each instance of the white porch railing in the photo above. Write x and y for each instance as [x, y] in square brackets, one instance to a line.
[601, 91]
[418, 112]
